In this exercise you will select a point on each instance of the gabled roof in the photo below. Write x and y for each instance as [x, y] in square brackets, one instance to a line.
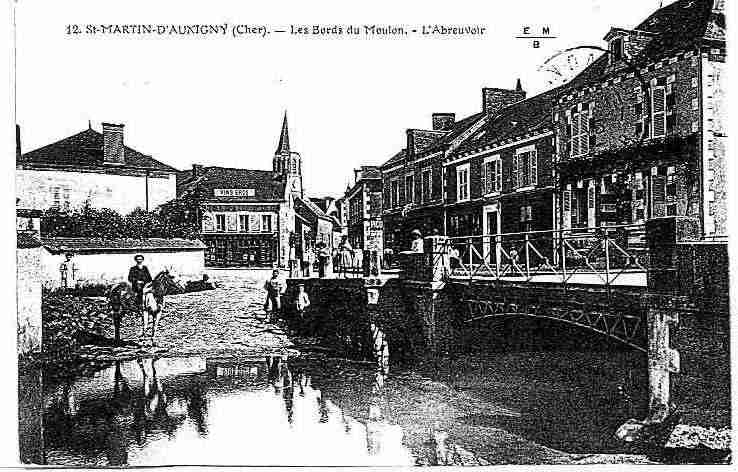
[266, 185]
[679, 26]
[85, 149]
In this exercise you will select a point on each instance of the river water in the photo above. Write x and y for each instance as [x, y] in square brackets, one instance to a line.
[514, 407]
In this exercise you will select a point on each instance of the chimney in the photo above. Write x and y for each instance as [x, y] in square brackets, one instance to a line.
[443, 121]
[17, 143]
[113, 143]
[495, 99]
[196, 170]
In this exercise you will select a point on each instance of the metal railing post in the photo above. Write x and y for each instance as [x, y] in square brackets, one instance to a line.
[607, 256]
[527, 255]
[563, 257]
[498, 251]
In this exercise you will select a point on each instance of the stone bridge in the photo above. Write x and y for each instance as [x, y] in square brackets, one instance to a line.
[679, 319]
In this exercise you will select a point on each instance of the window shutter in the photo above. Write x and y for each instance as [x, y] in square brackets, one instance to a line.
[485, 177]
[498, 179]
[658, 195]
[584, 138]
[658, 112]
[567, 209]
[575, 151]
[533, 168]
[515, 172]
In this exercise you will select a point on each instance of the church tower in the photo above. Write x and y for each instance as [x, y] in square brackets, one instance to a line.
[286, 163]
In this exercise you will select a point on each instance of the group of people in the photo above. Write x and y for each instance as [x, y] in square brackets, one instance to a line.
[275, 287]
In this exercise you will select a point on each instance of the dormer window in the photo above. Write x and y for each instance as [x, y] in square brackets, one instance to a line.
[617, 49]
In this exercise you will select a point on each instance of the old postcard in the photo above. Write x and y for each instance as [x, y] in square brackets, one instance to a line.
[381, 234]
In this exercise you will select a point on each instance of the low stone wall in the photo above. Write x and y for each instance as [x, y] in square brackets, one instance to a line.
[28, 297]
[108, 268]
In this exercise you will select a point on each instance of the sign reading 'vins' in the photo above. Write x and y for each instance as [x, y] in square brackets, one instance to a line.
[234, 192]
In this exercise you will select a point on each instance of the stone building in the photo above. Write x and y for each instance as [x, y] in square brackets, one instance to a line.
[502, 181]
[415, 181]
[92, 167]
[249, 217]
[364, 200]
[640, 132]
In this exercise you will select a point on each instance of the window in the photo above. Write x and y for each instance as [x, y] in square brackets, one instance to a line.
[492, 175]
[409, 189]
[243, 223]
[462, 182]
[579, 129]
[220, 222]
[525, 167]
[60, 197]
[658, 108]
[395, 193]
[266, 223]
[616, 49]
[426, 184]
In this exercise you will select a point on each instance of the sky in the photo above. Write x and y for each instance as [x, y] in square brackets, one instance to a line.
[220, 100]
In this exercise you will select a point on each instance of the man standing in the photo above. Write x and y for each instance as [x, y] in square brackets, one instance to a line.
[139, 276]
[68, 270]
[274, 288]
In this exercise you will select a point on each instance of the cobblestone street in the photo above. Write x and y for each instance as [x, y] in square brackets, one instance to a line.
[227, 320]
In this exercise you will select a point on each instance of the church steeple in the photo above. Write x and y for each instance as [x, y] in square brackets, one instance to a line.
[287, 164]
[284, 138]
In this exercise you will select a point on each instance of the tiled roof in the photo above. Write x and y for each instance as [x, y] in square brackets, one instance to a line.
[97, 244]
[315, 209]
[85, 149]
[519, 119]
[263, 182]
[679, 26]
[395, 159]
[26, 240]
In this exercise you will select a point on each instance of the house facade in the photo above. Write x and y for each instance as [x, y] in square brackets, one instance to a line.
[640, 132]
[251, 217]
[95, 168]
[364, 200]
[416, 181]
[503, 180]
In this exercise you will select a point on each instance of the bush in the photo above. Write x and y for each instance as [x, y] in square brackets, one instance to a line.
[175, 219]
[67, 320]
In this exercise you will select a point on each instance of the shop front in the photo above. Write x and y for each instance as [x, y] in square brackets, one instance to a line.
[240, 250]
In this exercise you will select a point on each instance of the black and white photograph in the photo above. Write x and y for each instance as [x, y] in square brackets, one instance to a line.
[410, 233]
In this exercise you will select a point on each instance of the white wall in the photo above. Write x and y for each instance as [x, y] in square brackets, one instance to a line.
[122, 193]
[28, 292]
[109, 268]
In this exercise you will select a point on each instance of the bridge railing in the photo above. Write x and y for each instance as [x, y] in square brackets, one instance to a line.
[602, 255]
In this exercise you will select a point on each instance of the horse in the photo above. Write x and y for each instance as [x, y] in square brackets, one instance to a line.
[122, 298]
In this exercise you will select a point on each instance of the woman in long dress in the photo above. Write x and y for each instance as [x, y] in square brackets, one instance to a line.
[346, 256]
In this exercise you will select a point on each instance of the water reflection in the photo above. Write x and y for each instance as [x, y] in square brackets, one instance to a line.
[256, 411]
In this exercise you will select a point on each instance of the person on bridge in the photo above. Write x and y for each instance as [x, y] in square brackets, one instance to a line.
[346, 257]
[138, 277]
[324, 258]
[417, 244]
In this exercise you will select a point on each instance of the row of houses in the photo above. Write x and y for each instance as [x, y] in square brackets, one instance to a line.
[637, 134]
[247, 217]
